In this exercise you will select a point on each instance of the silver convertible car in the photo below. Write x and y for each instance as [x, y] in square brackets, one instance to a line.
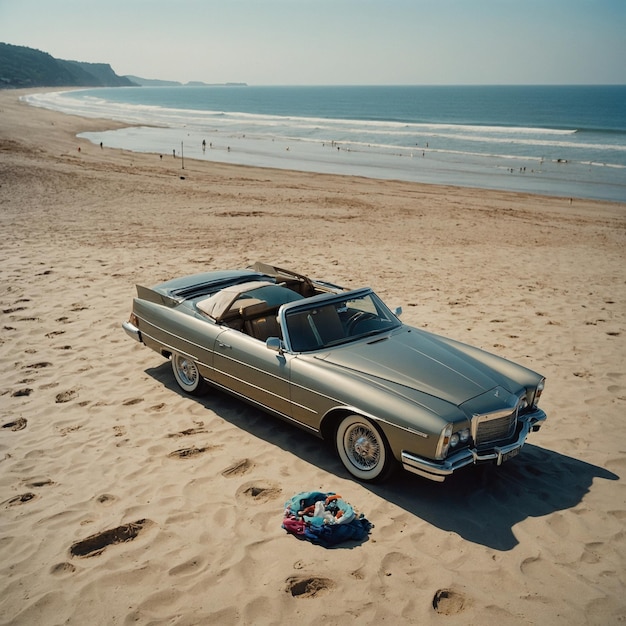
[341, 365]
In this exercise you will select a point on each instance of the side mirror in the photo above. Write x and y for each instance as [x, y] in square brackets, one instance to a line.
[398, 311]
[274, 344]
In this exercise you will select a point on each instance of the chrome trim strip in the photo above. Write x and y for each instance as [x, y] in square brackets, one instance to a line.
[263, 407]
[303, 407]
[169, 348]
[245, 383]
[171, 334]
[247, 365]
[375, 418]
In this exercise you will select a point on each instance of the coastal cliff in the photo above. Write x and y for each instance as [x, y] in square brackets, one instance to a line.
[26, 67]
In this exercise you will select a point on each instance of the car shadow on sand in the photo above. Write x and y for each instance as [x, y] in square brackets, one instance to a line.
[481, 504]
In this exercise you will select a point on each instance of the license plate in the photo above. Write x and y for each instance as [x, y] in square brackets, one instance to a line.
[509, 455]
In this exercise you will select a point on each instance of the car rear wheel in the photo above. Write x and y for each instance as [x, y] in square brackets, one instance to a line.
[187, 375]
[363, 449]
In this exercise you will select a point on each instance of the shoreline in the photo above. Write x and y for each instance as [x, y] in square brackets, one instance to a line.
[95, 436]
[30, 130]
[440, 166]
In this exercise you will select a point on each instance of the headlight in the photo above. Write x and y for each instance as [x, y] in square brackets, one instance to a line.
[539, 391]
[448, 440]
[444, 442]
[462, 436]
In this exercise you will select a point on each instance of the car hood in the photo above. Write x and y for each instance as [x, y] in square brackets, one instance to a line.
[419, 361]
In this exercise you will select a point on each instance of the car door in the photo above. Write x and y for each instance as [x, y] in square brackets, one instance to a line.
[247, 367]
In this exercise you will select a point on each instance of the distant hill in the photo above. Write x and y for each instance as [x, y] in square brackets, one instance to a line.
[26, 67]
[153, 82]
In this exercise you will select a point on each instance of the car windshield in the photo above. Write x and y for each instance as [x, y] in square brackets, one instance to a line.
[339, 321]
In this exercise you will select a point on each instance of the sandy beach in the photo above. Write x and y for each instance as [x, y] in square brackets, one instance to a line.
[123, 501]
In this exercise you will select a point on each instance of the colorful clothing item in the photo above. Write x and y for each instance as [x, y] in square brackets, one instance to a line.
[324, 518]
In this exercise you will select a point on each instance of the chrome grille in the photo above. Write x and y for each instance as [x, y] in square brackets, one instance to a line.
[492, 428]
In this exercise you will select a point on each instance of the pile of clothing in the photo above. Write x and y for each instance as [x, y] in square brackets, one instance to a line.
[324, 518]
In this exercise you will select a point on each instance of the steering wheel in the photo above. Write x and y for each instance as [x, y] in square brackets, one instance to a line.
[357, 318]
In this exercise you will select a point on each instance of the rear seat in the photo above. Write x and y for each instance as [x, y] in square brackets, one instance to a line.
[260, 321]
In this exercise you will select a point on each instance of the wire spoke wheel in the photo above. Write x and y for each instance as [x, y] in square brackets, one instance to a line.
[362, 448]
[187, 375]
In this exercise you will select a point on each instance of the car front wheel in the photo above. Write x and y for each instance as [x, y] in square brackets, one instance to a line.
[363, 449]
[187, 375]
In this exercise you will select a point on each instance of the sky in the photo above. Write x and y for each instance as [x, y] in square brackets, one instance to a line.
[333, 42]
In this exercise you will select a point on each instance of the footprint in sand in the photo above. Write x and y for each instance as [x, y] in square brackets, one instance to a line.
[258, 491]
[238, 468]
[187, 453]
[592, 552]
[69, 429]
[106, 499]
[66, 396]
[54, 333]
[96, 544]
[449, 602]
[308, 586]
[15, 425]
[37, 366]
[34, 484]
[21, 499]
[22, 392]
[61, 569]
[188, 432]
[532, 566]
[189, 567]
[132, 401]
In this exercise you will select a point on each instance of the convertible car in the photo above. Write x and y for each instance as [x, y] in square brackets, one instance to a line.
[341, 364]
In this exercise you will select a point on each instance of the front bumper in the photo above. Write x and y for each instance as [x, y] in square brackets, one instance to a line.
[132, 331]
[438, 470]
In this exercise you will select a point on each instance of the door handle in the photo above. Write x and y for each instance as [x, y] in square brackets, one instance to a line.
[223, 345]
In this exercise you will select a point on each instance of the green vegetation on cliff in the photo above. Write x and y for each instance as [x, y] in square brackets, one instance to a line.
[26, 67]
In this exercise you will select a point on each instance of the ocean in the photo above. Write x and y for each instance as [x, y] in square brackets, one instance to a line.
[567, 141]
